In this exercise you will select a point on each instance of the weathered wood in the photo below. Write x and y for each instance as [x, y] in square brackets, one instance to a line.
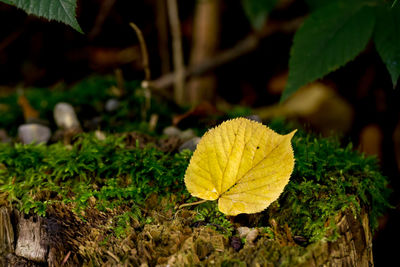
[31, 238]
[352, 248]
[12, 260]
[6, 232]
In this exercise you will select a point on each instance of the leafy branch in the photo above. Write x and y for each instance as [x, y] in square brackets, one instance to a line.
[336, 32]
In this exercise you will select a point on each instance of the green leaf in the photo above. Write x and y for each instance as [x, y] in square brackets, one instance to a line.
[387, 39]
[59, 10]
[329, 38]
[257, 11]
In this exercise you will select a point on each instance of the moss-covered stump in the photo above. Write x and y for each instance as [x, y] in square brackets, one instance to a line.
[175, 241]
[115, 202]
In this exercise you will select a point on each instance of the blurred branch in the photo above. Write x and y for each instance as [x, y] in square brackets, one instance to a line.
[162, 34]
[143, 48]
[179, 68]
[205, 39]
[105, 9]
[243, 47]
[145, 59]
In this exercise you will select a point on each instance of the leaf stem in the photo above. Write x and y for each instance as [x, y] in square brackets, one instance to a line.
[193, 203]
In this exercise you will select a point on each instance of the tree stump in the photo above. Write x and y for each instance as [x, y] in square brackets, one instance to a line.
[6, 232]
[22, 239]
[31, 241]
[353, 247]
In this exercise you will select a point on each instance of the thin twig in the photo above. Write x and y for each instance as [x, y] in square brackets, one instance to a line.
[243, 47]
[179, 68]
[146, 67]
[66, 258]
[143, 48]
[193, 203]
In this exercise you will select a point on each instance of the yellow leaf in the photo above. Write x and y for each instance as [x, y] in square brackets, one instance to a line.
[243, 164]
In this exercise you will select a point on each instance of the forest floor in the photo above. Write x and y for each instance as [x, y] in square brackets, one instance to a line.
[107, 190]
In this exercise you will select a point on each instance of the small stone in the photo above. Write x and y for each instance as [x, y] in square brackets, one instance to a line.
[65, 116]
[172, 131]
[100, 135]
[190, 144]
[243, 231]
[153, 122]
[4, 138]
[112, 105]
[254, 118]
[33, 133]
[187, 134]
[252, 235]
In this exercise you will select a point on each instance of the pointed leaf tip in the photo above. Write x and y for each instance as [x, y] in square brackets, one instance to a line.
[59, 10]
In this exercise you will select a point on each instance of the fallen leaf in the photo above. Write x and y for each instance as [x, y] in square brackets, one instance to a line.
[243, 164]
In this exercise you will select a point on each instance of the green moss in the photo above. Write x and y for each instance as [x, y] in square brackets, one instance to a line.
[124, 222]
[209, 214]
[327, 179]
[233, 262]
[88, 98]
[106, 171]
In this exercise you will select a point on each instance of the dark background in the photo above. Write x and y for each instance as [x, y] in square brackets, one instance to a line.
[38, 53]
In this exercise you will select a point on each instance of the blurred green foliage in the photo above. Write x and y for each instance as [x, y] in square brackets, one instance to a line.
[336, 32]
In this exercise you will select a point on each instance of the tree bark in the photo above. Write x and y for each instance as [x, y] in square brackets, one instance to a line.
[353, 247]
[6, 232]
